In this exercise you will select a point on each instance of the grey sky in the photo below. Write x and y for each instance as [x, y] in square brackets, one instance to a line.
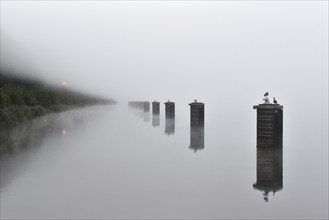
[171, 50]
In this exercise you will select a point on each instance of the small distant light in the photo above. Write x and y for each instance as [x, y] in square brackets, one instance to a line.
[64, 83]
[64, 132]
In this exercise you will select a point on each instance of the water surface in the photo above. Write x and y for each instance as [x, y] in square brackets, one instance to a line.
[115, 162]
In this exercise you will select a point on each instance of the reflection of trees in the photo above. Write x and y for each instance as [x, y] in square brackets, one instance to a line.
[33, 132]
[19, 144]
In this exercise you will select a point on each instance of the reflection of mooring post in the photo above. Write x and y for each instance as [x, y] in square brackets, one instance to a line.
[155, 113]
[170, 118]
[197, 138]
[269, 171]
[269, 125]
[197, 126]
[146, 111]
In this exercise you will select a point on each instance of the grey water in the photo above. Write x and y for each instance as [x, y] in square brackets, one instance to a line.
[117, 162]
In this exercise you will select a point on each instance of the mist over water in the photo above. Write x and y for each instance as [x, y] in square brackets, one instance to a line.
[112, 163]
[119, 162]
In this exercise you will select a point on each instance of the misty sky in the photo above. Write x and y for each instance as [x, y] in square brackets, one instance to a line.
[213, 50]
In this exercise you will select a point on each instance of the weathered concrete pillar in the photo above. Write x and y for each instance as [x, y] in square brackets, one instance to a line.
[146, 106]
[196, 126]
[269, 125]
[197, 113]
[156, 108]
[170, 109]
[269, 171]
[170, 118]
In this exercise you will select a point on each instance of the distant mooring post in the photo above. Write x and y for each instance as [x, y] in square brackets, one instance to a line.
[155, 108]
[170, 109]
[146, 106]
[197, 113]
[269, 125]
[197, 125]
[155, 114]
[170, 117]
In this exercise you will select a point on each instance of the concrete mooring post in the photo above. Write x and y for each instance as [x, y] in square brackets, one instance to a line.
[170, 109]
[146, 111]
[170, 118]
[146, 106]
[155, 108]
[269, 125]
[196, 126]
[197, 113]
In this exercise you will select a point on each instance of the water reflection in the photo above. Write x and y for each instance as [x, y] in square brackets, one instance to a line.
[146, 111]
[19, 145]
[269, 170]
[197, 138]
[170, 118]
[170, 126]
[146, 116]
[155, 114]
[155, 120]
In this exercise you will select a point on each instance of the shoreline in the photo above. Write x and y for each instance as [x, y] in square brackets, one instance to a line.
[23, 99]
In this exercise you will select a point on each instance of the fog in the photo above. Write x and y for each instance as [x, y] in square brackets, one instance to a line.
[114, 163]
[171, 50]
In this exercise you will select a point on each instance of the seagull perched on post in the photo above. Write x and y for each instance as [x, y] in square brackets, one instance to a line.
[274, 101]
[266, 94]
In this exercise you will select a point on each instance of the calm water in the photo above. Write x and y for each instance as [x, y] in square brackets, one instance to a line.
[115, 162]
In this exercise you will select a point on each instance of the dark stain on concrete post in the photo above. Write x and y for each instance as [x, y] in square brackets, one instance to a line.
[269, 125]
[196, 126]
[269, 171]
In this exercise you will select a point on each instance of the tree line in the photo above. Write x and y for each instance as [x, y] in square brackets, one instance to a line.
[24, 99]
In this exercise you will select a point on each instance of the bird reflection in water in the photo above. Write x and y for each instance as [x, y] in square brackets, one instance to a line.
[269, 170]
[197, 138]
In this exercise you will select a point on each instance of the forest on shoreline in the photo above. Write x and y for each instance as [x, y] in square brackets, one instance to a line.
[23, 99]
